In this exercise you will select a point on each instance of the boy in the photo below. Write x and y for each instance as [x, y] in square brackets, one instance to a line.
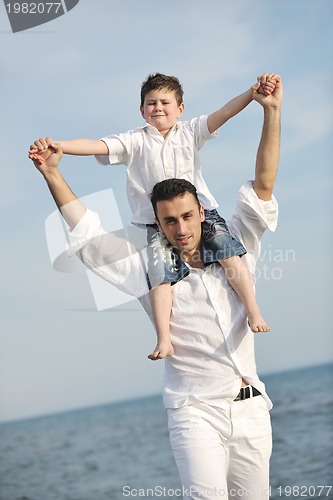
[166, 148]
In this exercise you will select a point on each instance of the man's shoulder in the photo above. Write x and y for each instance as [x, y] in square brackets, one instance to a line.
[253, 215]
[250, 206]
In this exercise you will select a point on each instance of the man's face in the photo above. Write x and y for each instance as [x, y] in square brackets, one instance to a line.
[180, 221]
[160, 109]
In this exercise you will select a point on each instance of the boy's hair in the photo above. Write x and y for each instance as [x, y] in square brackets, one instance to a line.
[160, 81]
[170, 189]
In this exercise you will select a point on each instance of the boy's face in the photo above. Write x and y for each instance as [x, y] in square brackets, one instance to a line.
[160, 109]
[180, 220]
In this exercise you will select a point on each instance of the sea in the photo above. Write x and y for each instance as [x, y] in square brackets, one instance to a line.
[122, 450]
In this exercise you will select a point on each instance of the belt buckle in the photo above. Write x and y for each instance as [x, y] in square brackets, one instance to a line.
[244, 393]
[247, 392]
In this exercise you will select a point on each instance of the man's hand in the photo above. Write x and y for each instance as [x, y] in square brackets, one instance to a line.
[266, 83]
[46, 164]
[268, 90]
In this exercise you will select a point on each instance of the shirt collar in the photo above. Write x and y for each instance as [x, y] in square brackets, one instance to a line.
[153, 130]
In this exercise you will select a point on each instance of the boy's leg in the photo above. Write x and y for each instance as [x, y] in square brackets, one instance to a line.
[161, 302]
[239, 278]
[163, 269]
[160, 293]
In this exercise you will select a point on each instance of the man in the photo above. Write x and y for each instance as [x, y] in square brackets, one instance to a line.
[218, 410]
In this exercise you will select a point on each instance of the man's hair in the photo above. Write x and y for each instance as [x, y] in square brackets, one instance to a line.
[160, 81]
[170, 189]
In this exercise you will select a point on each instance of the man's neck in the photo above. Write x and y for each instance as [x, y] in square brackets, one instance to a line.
[193, 260]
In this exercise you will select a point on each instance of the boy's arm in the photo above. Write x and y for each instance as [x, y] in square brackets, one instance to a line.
[237, 104]
[222, 115]
[84, 147]
[80, 147]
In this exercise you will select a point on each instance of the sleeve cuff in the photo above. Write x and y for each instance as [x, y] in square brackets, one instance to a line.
[88, 227]
[264, 211]
[204, 127]
[103, 159]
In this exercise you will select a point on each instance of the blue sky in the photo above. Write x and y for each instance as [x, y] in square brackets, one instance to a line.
[80, 76]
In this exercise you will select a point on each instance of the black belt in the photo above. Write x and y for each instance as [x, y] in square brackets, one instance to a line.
[247, 392]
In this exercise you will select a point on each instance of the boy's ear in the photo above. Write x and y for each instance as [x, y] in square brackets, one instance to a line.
[141, 111]
[181, 110]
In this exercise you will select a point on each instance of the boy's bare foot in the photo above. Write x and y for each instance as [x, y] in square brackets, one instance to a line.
[162, 350]
[257, 323]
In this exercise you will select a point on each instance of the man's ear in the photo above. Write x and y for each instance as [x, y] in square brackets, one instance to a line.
[158, 225]
[202, 213]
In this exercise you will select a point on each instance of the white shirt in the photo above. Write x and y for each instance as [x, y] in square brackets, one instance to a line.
[214, 347]
[150, 159]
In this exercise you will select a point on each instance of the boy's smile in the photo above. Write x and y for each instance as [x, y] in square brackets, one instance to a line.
[161, 110]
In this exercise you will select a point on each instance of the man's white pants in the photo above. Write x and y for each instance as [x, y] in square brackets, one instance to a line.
[223, 453]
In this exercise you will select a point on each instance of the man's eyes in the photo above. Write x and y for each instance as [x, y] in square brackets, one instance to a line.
[171, 222]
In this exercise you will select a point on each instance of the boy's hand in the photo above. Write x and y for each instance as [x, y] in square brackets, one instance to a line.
[49, 164]
[41, 147]
[267, 83]
[272, 99]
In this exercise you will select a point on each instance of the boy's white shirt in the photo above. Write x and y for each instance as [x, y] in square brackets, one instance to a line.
[150, 159]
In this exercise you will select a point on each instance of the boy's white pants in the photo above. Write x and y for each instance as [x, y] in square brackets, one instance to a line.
[223, 453]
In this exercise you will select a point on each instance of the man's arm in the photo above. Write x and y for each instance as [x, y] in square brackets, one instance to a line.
[109, 256]
[237, 104]
[253, 217]
[269, 146]
[70, 207]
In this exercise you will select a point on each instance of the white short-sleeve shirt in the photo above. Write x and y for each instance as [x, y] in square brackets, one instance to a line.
[151, 158]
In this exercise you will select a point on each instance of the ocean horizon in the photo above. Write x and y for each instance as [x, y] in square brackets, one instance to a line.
[61, 411]
[118, 450]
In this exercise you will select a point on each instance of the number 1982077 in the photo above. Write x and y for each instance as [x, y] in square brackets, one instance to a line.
[304, 491]
[33, 8]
